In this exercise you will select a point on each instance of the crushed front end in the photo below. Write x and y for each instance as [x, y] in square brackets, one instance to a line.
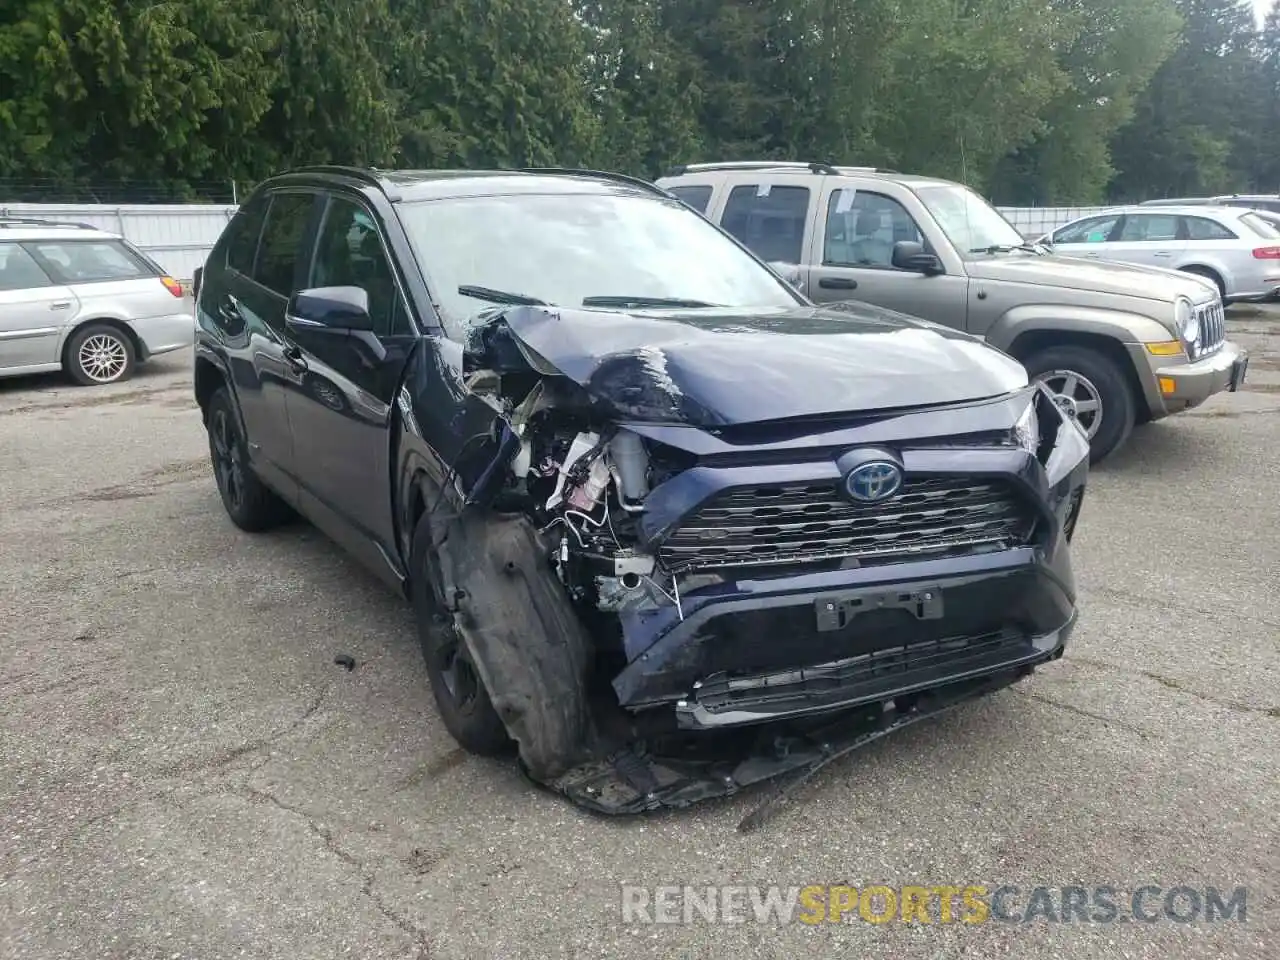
[764, 595]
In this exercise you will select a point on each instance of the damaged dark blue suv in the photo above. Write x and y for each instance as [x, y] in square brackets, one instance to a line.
[667, 526]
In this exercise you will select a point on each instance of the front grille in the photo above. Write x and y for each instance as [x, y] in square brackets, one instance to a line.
[1213, 327]
[811, 522]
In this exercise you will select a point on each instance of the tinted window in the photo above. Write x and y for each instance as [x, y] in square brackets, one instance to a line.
[88, 261]
[768, 219]
[1093, 230]
[245, 229]
[1198, 228]
[349, 253]
[696, 197]
[282, 241]
[862, 228]
[1149, 227]
[564, 248]
[18, 270]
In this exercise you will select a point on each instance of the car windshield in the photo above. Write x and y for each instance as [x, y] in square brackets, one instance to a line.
[970, 223]
[1263, 226]
[607, 250]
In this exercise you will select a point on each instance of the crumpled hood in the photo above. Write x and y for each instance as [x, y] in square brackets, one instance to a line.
[710, 368]
[1099, 276]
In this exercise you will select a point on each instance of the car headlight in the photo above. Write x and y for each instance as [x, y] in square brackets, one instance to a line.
[1188, 323]
[1026, 432]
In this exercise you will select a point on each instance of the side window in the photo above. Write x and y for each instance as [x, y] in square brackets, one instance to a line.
[245, 230]
[282, 241]
[769, 220]
[81, 261]
[350, 253]
[1198, 228]
[1149, 228]
[19, 270]
[1093, 230]
[695, 196]
[862, 228]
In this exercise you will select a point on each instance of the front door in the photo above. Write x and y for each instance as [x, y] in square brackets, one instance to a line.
[34, 311]
[853, 259]
[342, 390]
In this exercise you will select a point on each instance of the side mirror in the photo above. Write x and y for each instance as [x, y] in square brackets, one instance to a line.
[910, 255]
[340, 310]
[196, 276]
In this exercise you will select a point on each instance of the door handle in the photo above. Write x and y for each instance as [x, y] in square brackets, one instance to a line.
[293, 356]
[1165, 255]
[60, 305]
[838, 283]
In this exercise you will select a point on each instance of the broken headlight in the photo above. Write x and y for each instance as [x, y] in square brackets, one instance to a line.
[1026, 431]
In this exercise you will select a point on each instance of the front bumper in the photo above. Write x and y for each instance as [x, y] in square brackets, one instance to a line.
[1186, 385]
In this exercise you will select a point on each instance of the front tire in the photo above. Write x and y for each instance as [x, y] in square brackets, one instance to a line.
[250, 504]
[100, 354]
[1095, 387]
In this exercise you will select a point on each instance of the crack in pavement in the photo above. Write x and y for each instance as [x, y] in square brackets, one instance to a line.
[1081, 711]
[1116, 593]
[1173, 683]
[367, 889]
[226, 757]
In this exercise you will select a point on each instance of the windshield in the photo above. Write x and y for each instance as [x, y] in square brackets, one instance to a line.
[1263, 226]
[564, 249]
[970, 223]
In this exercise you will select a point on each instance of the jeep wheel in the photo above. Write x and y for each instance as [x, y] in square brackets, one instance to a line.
[1089, 386]
[508, 662]
[250, 504]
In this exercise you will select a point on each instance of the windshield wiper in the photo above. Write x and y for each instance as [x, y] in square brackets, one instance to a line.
[643, 302]
[501, 296]
[1026, 245]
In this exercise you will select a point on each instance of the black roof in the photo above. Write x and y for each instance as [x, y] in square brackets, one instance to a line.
[409, 185]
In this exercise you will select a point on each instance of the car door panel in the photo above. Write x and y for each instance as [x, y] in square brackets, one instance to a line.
[852, 258]
[342, 390]
[35, 311]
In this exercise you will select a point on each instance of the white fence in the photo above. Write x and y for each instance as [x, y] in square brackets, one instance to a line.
[179, 236]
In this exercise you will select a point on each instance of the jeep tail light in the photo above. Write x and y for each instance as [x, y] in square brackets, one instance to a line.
[172, 285]
[1266, 253]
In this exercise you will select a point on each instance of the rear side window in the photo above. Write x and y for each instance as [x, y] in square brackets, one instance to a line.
[1198, 228]
[245, 229]
[89, 261]
[1149, 227]
[694, 196]
[281, 243]
[19, 270]
[769, 220]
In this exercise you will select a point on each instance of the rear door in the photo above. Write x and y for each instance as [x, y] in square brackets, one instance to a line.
[341, 389]
[853, 257]
[1148, 239]
[772, 215]
[109, 278]
[34, 310]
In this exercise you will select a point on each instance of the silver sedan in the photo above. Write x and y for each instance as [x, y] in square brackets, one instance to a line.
[1238, 250]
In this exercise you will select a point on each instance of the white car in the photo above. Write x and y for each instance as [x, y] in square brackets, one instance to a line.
[1236, 249]
[85, 301]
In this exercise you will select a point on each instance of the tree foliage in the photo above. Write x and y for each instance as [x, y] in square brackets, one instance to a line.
[1033, 101]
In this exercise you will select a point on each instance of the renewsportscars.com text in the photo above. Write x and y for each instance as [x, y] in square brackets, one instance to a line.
[937, 903]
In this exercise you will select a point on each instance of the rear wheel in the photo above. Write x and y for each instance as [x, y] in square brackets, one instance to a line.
[1089, 386]
[250, 504]
[98, 354]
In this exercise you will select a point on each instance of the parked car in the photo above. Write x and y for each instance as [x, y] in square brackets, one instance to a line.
[1238, 250]
[1253, 201]
[84, 301]
[1118, 344]
[611, 458]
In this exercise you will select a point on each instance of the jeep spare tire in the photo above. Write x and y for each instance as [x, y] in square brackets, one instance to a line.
[1091, 387]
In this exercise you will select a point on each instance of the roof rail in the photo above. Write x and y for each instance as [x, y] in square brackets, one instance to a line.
[367, 175]
[605, 174]
[819, 166]
[8, 221]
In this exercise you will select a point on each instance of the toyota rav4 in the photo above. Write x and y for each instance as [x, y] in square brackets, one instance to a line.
[666, 525]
